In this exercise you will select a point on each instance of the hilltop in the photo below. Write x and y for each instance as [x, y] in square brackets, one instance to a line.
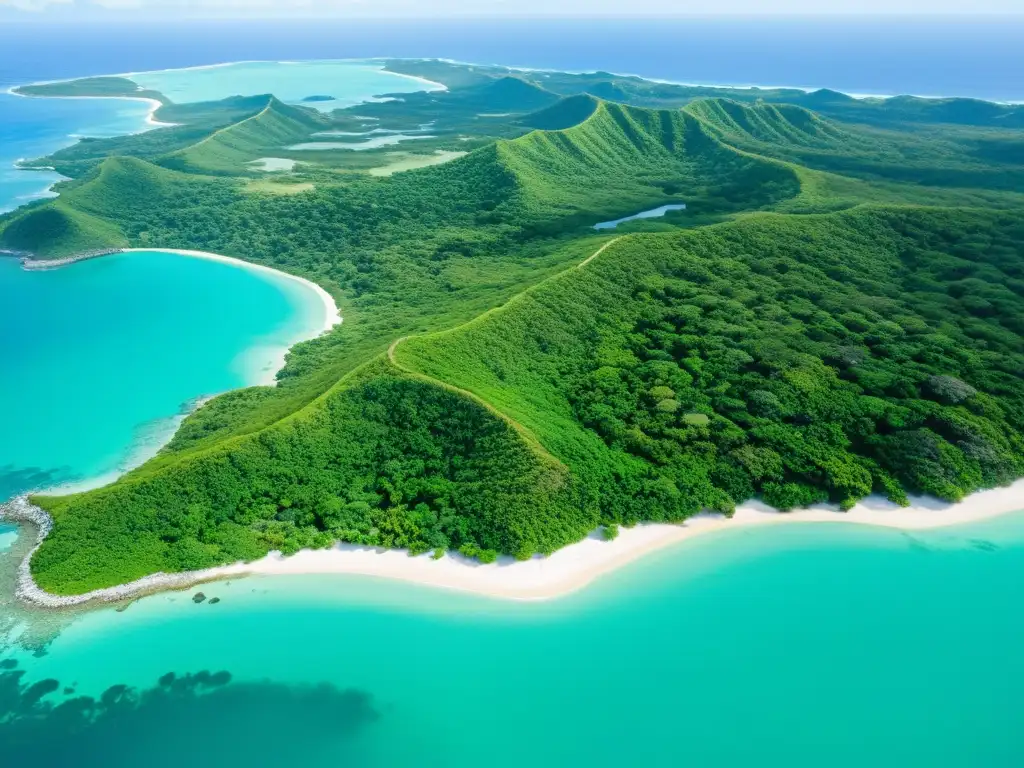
[229, 149]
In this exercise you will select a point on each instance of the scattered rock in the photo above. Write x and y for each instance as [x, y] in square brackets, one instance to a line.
[198, 597]
[214, 600]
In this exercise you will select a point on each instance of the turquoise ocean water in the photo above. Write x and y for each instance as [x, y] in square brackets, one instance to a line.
[100, 357]
[802, 645]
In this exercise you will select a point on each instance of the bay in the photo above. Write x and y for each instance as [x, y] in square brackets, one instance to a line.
[101, 358]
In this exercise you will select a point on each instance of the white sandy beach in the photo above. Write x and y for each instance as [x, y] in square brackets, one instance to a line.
[541, 578]
[576, 566]
[154, 105]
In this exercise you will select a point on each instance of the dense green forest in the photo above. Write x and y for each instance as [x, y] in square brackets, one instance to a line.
[837, 312]
[802, 359]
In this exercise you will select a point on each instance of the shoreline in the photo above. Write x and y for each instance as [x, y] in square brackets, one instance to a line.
[151, 121]
[266, 376]
[332, 314]
[565, 572]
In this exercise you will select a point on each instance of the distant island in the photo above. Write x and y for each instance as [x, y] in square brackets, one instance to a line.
[836, 312]
[313, 99]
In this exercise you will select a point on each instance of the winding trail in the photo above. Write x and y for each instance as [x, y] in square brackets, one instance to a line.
[525, 433]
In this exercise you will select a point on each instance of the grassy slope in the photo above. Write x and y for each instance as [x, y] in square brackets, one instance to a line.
[318, 458]
[191, 124]
[567, 112]
[229, 149]
[649, 156]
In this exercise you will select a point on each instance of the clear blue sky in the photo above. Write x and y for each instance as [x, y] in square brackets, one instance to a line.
[421, 8]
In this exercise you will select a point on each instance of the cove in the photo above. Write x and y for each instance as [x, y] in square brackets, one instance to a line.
[801, 645]
[654, 213]
[102, 358]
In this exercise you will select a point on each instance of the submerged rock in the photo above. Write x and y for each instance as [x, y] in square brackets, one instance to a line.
[214, 600]
[198, 597]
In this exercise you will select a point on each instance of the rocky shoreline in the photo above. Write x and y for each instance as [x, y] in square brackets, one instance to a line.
[32, 264]
[20, 510]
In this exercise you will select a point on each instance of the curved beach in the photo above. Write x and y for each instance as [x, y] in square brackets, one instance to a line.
[540, 578]
[154, 104]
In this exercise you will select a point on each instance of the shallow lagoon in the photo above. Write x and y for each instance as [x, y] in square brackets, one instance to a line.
[273, 164]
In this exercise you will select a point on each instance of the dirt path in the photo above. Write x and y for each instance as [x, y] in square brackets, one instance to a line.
[526, 434]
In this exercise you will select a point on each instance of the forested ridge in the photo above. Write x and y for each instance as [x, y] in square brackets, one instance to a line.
[837, 312]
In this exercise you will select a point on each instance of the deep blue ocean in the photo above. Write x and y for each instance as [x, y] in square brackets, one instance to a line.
[976, 57]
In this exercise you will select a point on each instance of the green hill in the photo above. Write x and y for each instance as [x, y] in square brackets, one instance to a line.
[797, 358]
[229, 149]
[53, 230]
[566, 113]
[800, 136]
[959, 111]
[191, 124]
[125, 189]
[780, 125]
[622, 159]
[389, 460]
[505, 94]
